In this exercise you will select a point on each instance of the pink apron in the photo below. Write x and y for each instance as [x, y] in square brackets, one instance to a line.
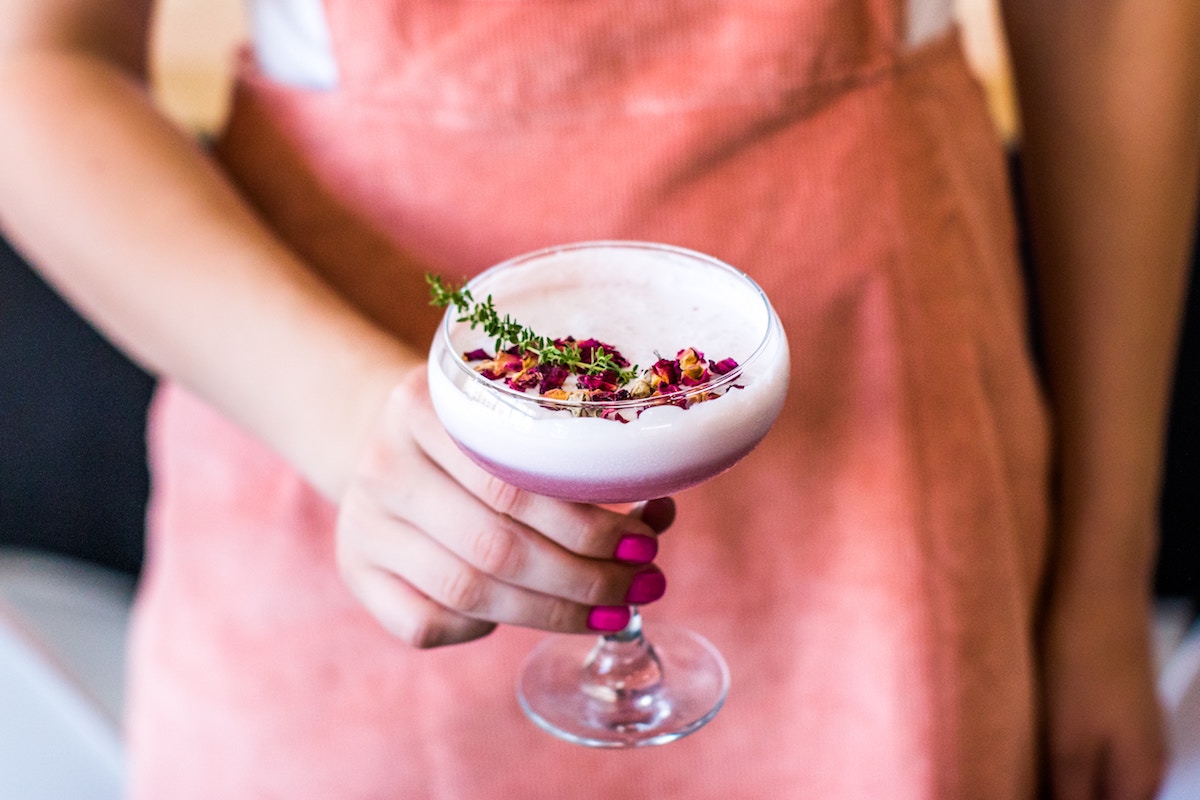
[870, 572]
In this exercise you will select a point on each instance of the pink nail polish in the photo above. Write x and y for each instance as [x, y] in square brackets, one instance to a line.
[635, 549]
[646, 587]
[608, 619]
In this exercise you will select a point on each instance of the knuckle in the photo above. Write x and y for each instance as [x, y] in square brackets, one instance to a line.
[407, 397]
[562, 616]
[464, 590]
[348, 542]
[497, 552]
[597, 590]
[504, 497]
[379, 460]
[587, 532]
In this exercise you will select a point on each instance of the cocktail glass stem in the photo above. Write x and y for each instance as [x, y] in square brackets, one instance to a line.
[624, 689]
[623, 678]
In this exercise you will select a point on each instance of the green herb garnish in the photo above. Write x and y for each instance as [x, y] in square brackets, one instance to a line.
[508, 334]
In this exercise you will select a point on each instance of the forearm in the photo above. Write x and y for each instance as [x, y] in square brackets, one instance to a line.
[131, 221]
[1110, 103]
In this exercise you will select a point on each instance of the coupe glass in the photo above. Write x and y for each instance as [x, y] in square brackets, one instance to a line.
[630, 688]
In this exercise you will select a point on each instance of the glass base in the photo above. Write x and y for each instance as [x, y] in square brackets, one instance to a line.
[623, 690]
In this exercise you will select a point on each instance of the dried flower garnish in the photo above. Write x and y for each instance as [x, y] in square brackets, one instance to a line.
[577, 371]
[587, 357]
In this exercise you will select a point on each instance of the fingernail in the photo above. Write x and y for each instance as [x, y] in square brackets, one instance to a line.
[636, 549]
[608, 619]
[658, 514]
[646, 587]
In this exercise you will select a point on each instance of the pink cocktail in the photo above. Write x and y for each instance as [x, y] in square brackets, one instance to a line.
[649, 301]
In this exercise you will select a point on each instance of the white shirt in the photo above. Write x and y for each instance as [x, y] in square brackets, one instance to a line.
[292, 42]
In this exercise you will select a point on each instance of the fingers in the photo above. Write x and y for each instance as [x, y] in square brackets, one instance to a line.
[411, 616]
[428, 596]
[498, 547]
[440, 552]
[585, 530]
[1138, 779]
[526, 539]
[1078, 773]
[453, 584]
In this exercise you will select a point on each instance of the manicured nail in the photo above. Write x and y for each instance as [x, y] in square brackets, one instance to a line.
[647, 587]
[636, 549]
[608, 619]
[658, 514]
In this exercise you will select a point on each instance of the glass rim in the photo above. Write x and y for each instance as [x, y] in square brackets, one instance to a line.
[636, 403]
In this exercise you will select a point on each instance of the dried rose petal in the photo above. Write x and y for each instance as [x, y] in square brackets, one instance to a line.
[526, 379]
[614, 414]
[552, 378]
[508, 362]
[605, 381]
[690, 358]
[724, 366]
[502, 365]
[692, 368]
[485, 369]
[664, 372]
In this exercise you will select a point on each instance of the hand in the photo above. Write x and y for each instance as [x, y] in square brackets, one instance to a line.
[440, 552]
[1103, 723]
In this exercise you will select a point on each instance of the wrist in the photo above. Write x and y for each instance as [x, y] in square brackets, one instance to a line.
[357, 407]
[1108, 555]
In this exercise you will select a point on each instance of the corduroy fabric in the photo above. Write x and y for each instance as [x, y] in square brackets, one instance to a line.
[870, 572]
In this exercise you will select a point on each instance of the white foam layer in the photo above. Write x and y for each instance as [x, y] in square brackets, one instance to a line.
[639, 300]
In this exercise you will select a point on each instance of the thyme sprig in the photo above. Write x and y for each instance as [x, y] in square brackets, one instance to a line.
[506, 333]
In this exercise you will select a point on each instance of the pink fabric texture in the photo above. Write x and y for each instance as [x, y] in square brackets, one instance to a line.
[870, 572]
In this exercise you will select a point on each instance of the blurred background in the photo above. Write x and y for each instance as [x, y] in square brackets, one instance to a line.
[73, 480]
